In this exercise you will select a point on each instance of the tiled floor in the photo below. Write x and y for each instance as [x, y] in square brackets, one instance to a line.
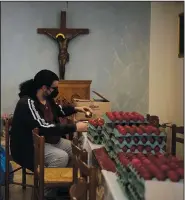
[16, 193]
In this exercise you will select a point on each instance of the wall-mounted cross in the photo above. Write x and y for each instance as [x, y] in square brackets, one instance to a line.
[62, 36]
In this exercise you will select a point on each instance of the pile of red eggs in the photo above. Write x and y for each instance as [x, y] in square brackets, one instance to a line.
[141, 148]
[97, 122]
[125, 116]
[104, 160]
[148, 129]
[157, 166]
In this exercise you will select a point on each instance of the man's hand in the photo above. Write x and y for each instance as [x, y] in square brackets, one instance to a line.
[81, 127]
[83, 109]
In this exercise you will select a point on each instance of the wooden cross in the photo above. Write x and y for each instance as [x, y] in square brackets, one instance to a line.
[61, 36]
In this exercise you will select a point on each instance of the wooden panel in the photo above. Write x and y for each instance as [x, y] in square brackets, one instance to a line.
[69, 89]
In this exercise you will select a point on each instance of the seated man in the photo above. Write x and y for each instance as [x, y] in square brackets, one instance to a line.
[37, 109]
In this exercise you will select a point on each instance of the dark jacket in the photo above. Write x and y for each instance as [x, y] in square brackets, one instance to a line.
[28, 116]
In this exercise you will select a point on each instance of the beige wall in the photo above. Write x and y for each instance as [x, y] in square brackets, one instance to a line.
[166, 69]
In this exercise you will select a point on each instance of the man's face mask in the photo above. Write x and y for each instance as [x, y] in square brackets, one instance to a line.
[54, 93]
[51, 92]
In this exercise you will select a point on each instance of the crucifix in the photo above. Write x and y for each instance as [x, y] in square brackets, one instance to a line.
[62, 36]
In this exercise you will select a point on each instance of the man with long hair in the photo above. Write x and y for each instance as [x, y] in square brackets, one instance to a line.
[36, 108]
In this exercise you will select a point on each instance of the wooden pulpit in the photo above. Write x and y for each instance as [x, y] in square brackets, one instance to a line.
[70, 89]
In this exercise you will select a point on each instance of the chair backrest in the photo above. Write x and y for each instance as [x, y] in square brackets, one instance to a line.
[153, 120]
[175, 138]
[77, 152]
[78, 190]
[89, 173]
[8, 124]
[38, 142]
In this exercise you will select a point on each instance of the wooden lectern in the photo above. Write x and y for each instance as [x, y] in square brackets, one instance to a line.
[70, 89]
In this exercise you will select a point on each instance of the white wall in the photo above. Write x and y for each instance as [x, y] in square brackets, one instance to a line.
[166, 69]
[115, 55]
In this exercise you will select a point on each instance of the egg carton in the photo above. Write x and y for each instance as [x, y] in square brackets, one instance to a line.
[145, 152]
[148, 143]
[95, 140]
[125, 178]
[106, 135]
[125, 175]
[117, 134]
[141, 179]
[108, 121]
[91, 127]
[132, 193]
[106, 144]
[95, 133]
[122, 174]
[108, 128]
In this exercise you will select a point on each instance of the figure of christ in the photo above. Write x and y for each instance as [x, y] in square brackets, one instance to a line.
[63, 56]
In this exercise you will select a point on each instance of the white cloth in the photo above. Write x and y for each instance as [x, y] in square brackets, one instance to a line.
[113, 190]
[89, 146]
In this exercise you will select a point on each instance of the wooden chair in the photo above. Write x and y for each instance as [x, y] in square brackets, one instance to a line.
[90, 176]
[50, 177]
[175, 139]
[78, 191]
[9, 158]
[153, 120]
[77, 153]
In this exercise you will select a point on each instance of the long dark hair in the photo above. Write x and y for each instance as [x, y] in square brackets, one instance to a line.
[30, 87]
[26, 88]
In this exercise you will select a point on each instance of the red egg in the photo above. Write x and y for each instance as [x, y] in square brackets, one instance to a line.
[146, 162]
[144, 140]
[136, 140]
[100, 121]
[142, 170]
[180, 171]
[160, 176]
[120, 140]
[139, 131]
[128, 139]
[165, 168]
[110, 116]
[160, 140]
[122, 131]
[140, 148]
[148, 148]
[173, 176]
[147, 176]
[173, 165]
[125, 116]
[174, 159]
[147, 130]
[117, 116]
[141, 118]
[136, 163]
[157, 132]
[125, 149]
[140, 155]
[152, 140]
[157, 149]
[153, 169]
[132, 131]
[133, 148]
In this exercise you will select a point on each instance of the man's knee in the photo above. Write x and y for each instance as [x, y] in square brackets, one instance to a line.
[57, 159]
